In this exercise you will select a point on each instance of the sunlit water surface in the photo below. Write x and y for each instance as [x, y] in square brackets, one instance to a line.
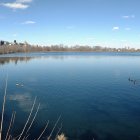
[90, 91]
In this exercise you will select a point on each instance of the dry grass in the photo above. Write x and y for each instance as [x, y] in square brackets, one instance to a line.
[24, 135]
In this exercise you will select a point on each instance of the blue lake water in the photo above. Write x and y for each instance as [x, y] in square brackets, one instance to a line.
[91, 91]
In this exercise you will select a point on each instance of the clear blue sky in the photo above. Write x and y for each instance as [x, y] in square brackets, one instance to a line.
[112, 23]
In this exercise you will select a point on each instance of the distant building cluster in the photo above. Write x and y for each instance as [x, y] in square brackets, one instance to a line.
[2, 42]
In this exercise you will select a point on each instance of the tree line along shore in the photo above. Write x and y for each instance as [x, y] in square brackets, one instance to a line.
[15, 47]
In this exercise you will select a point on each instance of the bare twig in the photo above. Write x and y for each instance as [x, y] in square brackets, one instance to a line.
[27, 137]
[16, 137]
[3, 107]
[11, 123]
[27, 125]
[9, 137]
[54, 128]
[32, 121]
[58, 130]
[43, 131]
[27, 119]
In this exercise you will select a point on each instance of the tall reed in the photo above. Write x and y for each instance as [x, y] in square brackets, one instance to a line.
[24, 134]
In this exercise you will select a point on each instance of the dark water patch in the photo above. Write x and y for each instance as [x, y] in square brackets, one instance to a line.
[90, 90]
[89, 135]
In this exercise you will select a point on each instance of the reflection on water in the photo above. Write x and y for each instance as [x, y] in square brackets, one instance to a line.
[92, 92]
[24, 100]
[16, 60]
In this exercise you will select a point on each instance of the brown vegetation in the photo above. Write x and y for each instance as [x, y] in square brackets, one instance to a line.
[25, 48]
